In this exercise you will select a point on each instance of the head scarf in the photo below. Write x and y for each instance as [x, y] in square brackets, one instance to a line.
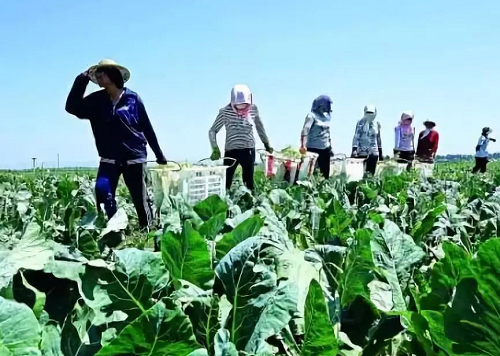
[486, 131]
[405, 123]
[241, 94]
[369, 116]
[322, 107]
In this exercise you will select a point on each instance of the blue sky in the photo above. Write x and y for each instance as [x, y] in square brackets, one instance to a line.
[437, 58]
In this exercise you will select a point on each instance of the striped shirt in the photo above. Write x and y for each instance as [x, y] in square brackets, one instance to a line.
[239, 131]
[367, 138]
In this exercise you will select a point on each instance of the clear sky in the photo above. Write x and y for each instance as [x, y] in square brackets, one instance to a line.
[440, 59]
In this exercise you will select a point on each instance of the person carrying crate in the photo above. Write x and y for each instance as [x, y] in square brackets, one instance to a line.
[239, 118]
[121, 130]
[428, 142]
[482, 150]
[315, 135]
[404, 147]
[367, 142]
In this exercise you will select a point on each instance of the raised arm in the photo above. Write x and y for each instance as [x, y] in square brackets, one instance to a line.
[76, 104]
[149, 133]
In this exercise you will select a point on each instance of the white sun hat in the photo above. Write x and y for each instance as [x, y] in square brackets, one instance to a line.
[108, 63]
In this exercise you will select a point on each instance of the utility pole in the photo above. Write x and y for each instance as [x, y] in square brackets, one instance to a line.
[58, 161]
[34, 162]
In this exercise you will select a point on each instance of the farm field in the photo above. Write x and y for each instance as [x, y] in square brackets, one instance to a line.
[395, 265]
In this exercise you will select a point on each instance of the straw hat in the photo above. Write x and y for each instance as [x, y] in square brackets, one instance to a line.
[108, 63]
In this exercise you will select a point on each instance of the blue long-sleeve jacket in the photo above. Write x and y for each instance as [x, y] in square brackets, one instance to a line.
[121, 132]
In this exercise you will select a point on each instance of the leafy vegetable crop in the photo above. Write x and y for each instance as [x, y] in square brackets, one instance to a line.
[398, 265]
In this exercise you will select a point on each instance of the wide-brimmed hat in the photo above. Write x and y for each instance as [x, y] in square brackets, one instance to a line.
[429, 122]
[108, 63]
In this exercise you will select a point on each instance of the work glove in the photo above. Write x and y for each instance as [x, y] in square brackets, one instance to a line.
[492, 139]
[161, 160]
[268, 147]
[354, 152]
[215, 154]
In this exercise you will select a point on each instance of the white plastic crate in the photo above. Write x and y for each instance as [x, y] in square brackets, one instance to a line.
[195, 183]
[280, 168]
[355, 169]
[338, 165]
[424, 169]
[390, 168]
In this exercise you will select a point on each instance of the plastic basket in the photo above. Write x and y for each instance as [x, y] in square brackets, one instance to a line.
[390, 168]
[338, 164]
[194, 183]
[279, 167]
[355, 169]
[425, 169]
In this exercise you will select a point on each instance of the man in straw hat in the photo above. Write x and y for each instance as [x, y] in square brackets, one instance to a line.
[121, 130]
[428, 143]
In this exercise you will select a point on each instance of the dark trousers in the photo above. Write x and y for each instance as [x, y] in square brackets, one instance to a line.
[481, 163]
[134, 176]
[370, 163]
[406, 157]
[246, 159]
[323, 160]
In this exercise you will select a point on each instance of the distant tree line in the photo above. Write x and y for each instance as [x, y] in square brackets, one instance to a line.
[463, 158]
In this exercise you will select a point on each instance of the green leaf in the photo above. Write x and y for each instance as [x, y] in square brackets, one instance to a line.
[424, 226]
[358, 269]
[88, 245]
[224, 347]
[162, 330]
[211, 206]
[445, 276]
[473, 321]
[32, 252]
[186, 256]
[244, 230]
[279, 197]
[51, 340]
[79, 335]
[395, 254]
[271, 313]
[39, 297]
[19, 329]
[382, 336]
[248, 276]
[213, 226]
[202, 308]
[319, 337]
[126, 287]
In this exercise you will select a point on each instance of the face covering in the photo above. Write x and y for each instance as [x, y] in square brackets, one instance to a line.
[369, 117]
[241, 100]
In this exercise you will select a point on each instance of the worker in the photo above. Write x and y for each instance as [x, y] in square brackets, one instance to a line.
[239, 118]
[404, 146]
[428, 142]
[315, 136]
[482, 150]
[121, 130]
[367, 142]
